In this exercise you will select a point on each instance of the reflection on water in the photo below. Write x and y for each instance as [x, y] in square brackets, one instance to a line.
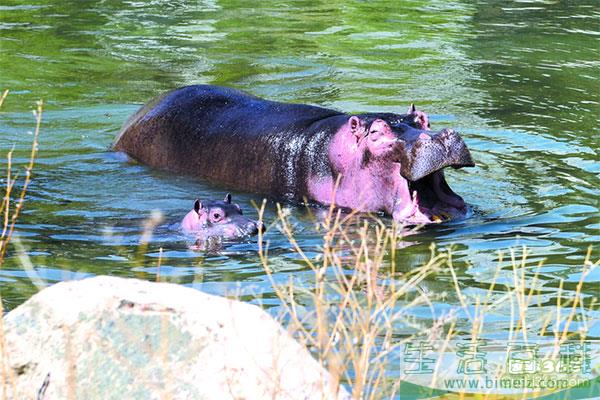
[520, 81]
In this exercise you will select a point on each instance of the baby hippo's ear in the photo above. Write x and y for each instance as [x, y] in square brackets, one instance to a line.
[411, 109]
[197, 206]
[227, 198]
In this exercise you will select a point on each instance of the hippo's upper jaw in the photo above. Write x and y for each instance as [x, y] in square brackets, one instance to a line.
[430, 152]
[425, 196]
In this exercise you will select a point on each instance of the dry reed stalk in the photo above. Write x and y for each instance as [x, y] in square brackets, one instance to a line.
[9, 220]
[350, 325]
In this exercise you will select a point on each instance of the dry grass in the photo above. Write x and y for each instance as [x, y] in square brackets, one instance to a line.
[11, 206]
[348, 314]
[10, 209]
[347, 322]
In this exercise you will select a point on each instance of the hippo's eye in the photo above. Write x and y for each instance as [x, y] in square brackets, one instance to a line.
[217, 215]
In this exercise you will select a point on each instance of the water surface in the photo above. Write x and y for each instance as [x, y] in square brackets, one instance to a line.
[520, 80]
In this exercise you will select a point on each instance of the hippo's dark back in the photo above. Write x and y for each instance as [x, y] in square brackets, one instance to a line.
[234, 139]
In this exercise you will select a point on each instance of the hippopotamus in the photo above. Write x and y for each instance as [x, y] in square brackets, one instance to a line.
[222, 219]
[372, 162]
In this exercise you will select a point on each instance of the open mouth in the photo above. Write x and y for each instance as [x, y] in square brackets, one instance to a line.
[425, 196]
[429, 200]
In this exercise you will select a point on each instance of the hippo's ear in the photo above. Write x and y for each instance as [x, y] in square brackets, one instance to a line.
[357, 128]
[411, 109]
[227, 198]
[197, 206]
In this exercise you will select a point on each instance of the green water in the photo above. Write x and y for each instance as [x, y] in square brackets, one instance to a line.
[521, 81]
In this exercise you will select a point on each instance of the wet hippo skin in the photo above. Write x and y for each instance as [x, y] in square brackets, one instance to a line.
[380, 161]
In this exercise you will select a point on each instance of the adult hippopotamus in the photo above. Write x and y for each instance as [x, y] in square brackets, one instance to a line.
[219, 219]
[367, 162]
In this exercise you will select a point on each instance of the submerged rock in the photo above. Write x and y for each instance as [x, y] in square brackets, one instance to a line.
[115, 338]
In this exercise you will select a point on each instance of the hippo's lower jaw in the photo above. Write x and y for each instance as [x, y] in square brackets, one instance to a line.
[233, 231]
[428, 200]
[229, 232]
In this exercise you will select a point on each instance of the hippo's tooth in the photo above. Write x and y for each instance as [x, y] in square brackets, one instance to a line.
[445, 215]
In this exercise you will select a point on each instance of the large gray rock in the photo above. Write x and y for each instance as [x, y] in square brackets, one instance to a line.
[114, 338]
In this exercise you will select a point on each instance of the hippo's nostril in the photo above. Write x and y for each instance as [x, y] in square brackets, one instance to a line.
[253, 227]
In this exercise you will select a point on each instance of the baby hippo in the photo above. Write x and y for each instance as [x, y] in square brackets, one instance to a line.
[219, 219]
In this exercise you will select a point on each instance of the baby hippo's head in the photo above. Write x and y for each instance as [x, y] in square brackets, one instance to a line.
[219, 219]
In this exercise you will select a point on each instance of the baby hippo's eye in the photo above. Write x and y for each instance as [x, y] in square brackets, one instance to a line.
[216, 215]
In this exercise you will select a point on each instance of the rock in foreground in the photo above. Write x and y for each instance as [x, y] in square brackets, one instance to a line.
[115, 338]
